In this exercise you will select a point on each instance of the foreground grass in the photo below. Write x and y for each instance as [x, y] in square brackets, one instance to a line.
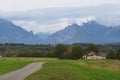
[11, 64]
[112, 65]
[72, 70]
[55, 69]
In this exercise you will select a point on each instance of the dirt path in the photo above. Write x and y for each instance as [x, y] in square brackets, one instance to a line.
[21, 74]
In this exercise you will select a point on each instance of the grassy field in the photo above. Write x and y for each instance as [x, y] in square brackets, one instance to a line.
[7, 65]
[76, 70]
[11, 64]
[55, 69]
[112, 65]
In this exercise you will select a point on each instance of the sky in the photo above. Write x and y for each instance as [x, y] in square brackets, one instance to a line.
[49, 16]
[22, 5]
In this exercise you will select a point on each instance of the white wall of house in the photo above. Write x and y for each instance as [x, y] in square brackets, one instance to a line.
[95, 57]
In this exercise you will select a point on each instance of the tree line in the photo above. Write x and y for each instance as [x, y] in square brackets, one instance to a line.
[61, 51]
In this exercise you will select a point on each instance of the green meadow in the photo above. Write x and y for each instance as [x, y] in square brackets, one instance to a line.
[73, 70]
[10, 65]
[55, 69]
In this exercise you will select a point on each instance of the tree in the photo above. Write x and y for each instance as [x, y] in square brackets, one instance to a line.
[118, 54]
[59, 50]
[9, 52]
[77, 52]
[67, 54]
[111, 54]
[92, 48]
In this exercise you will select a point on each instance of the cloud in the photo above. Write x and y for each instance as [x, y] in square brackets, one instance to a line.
[36, 27]
[23, 5]
[54, 19]
[52, 27]
[84, 20]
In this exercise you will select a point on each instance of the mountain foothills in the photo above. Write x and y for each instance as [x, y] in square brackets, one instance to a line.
[89, 32]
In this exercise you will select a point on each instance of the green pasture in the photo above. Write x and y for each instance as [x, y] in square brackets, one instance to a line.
[55, 69]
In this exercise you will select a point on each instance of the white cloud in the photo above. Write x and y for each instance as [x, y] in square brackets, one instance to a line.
[20, 5]
[46, 28]
[84, 20]
[52, 20]
[51, 27]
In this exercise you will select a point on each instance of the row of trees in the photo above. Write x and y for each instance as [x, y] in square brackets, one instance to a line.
[112, 54]
[27, 53]
[26, 50]
[60, 51]
[75, 52]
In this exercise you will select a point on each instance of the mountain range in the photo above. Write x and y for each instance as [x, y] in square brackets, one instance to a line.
[11, 33]
[89, 32]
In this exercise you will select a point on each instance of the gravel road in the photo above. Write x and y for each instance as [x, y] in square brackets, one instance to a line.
[21, 74]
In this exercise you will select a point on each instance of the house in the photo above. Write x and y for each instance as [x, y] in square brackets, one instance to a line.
[93, 55]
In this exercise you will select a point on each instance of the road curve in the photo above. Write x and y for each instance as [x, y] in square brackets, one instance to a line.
[21, 74]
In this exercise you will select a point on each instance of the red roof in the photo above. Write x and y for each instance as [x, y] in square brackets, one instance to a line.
[93, 54]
